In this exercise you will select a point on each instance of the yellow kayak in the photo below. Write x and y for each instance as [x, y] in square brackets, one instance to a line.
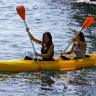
[60, 65]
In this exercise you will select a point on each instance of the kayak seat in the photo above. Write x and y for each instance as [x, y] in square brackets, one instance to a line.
[87, 56]
[28, 58]
[44, 60]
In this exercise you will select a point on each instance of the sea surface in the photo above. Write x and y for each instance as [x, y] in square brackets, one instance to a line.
[62, 18]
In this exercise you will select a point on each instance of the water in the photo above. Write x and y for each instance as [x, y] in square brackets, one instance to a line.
[61, 18]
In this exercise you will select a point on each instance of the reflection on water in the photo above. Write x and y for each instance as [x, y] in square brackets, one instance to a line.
[52, 83]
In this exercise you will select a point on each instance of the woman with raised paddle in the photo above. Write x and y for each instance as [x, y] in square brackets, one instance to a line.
[47, 50]
[79, 48]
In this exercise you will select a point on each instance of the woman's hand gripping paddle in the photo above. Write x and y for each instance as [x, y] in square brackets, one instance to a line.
[21, 12]
[88, 21]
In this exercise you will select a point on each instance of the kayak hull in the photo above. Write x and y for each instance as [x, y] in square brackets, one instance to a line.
[21, 65]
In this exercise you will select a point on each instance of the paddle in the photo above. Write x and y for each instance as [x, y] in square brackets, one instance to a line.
[21, 13]
[87, 22]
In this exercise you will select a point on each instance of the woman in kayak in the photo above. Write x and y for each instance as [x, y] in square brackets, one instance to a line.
[47, 50]
[79, 48]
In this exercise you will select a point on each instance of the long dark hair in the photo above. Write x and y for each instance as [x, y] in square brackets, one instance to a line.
[50, 39]
[81, 36]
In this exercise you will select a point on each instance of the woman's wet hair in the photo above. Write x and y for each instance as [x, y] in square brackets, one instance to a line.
[81, 36]
[49, 36]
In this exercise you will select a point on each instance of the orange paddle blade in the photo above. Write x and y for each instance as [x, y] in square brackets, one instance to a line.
[88, 21]
[21, 11]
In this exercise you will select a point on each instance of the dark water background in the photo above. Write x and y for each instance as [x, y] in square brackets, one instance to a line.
[61, 18]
